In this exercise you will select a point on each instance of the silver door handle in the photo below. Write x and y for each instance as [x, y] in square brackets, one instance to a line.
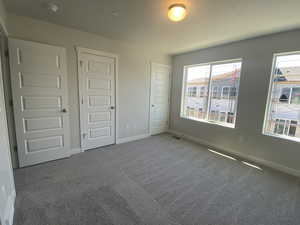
[112, 107]
[64, 110]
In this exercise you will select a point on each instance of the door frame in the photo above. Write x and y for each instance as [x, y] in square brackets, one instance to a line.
[152, 65]
[79, 51]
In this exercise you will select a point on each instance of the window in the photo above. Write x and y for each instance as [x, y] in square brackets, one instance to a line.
[293, 128]
[202, 92]
[285, 95]
[232, 91]
[200, 113]
[216, 93]
[230, 117]
[285, 127]
[290, 95]
[295, 98]
[214, 115]
[225, 92]
[283, 108]
[218, 85]
[192, 91]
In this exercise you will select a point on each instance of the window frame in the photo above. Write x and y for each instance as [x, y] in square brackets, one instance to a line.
[209, 92]
[269, 99]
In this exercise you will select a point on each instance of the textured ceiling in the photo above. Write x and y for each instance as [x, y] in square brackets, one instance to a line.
[144, 22]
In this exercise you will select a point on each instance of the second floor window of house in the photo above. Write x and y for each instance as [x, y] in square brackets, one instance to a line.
[218, 85]
[295, 98]
[290, 95]
[202, 92]
[192, 91]
[216, 93]
[232, 91]
[225, 92]
[283, 108]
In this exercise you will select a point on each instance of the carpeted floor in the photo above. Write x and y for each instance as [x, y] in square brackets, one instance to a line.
[155, 181]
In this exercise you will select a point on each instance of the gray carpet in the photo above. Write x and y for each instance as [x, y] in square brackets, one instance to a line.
[155, 181]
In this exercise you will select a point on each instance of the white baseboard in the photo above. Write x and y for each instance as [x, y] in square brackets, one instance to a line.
[254, 159]
[133, 138]
[75, 151]
[10, 209]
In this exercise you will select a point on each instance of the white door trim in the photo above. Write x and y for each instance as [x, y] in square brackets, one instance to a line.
[152, 64]
[81, 50]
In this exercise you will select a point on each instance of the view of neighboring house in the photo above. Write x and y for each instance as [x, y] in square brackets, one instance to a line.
[284, 116]
[284, 112]
[224, 89]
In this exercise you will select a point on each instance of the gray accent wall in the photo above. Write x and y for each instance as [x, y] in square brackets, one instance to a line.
[247, 138]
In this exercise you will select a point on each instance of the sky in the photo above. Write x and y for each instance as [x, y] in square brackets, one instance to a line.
[288, 61]
[203, 71]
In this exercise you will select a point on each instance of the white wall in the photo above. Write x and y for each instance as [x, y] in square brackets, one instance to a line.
[7, 189]
[134, 76]
[247, 138]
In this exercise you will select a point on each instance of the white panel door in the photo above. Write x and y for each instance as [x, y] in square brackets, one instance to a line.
[160, 98]
[97, 96]
[39, 86]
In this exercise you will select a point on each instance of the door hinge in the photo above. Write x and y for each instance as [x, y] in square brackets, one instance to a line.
[81, 63]
[6, 53]
[15, 148]
[11, 103]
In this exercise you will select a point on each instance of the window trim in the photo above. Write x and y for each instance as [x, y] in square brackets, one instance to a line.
[269, 99]
[209, 97]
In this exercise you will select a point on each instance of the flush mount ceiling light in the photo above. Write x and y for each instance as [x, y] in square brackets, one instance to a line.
[177, 12]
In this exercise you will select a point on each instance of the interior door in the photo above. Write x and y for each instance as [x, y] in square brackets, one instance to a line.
[39, 86]
[160, 98]
[97, 96]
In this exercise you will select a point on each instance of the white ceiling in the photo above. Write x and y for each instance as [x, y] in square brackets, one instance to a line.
[144, 22]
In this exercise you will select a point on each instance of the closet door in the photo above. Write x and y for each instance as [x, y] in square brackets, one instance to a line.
[39, 86]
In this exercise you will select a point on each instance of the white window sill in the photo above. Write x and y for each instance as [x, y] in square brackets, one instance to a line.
[209, 122]
[294, 139]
